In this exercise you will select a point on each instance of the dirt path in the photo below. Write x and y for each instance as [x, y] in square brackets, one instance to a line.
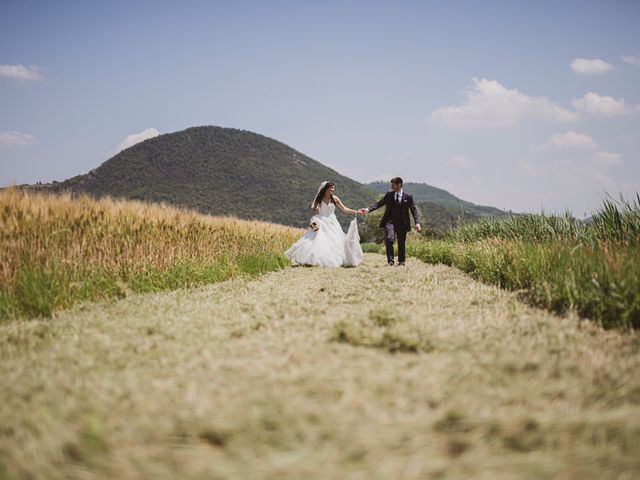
[373, 372]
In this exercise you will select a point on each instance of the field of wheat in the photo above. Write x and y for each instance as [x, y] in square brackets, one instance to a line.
[58, 250]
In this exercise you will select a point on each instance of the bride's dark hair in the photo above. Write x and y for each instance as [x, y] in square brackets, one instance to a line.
[321, 193]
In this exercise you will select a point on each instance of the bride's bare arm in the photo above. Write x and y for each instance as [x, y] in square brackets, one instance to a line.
[342, 206]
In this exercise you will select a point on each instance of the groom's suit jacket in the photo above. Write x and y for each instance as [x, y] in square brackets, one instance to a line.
[394, 213]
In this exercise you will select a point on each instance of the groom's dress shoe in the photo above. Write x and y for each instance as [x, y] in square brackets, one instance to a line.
[401, 264]
[391, 264]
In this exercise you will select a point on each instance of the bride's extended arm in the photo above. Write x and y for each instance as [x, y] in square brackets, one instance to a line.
[342, 206]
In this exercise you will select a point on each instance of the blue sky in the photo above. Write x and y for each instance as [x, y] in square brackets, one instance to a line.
[519, 105]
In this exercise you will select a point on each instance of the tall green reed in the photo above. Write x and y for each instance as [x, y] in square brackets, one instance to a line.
[558, 262]
[614, 220]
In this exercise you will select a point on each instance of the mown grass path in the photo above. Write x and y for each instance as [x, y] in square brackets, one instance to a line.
[372, 372]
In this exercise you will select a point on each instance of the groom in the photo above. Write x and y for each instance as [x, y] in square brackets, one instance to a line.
[395, 220]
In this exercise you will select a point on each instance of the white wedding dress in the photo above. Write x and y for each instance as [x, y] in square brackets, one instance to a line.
[329, 246]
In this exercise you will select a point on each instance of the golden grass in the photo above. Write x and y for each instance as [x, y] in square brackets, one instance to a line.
[56, 250]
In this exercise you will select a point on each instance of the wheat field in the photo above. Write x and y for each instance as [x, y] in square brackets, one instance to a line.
[56, 250]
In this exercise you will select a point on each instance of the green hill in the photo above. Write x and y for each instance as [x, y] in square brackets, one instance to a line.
[220, 171]
[226, 171]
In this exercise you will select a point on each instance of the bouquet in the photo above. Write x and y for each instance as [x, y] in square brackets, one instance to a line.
[314, 225]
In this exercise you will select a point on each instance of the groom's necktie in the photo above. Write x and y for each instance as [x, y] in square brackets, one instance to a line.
[397, 197]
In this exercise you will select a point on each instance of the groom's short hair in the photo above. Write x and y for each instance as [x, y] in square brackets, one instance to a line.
[396, 180]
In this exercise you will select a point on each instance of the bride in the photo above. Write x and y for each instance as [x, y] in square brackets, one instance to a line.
[325, 244]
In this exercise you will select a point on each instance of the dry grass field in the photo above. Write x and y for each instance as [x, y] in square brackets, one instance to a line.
[365, 373]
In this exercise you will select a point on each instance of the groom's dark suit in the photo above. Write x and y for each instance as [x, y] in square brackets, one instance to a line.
[395, 220]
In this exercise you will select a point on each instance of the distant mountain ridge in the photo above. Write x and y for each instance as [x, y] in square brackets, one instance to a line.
[440, 210]
[426, 193]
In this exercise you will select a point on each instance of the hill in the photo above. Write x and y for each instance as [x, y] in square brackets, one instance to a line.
[426, 193]
[226, 171]
[219, 171]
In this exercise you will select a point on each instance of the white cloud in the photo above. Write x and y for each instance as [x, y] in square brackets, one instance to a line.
[571, 164]
[631, 59]
[568, 141]
[590, 66]
[458, 161]
[601, 105]
[489, 103]
[573, 158]
[134, 138]
[607, 159]
[563, 178]
[20, 72]
[15, 139]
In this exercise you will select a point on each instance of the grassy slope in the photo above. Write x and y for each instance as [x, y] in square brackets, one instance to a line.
[293, 376]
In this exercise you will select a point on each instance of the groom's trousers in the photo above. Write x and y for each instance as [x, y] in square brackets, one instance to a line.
[391, 232]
